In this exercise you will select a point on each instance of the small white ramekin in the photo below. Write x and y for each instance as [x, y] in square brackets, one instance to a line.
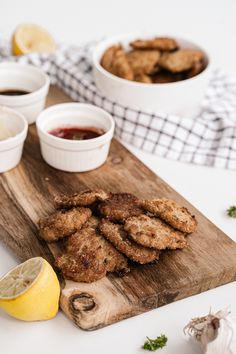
[181, 98]
[28, 78]
[11, 148]
[74, 155]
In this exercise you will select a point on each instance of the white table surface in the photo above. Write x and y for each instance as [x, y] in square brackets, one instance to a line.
[211, 23]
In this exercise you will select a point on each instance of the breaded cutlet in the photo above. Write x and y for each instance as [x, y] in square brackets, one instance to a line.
[89, 256]
[63, 223]
[83, 267]
[172, 213]
[108, 57]
[115, 61]
[161, 43]
[120, 206]
[154, 233]
[116, 234]
[90, 238]
[84, 198]
[143, 61]
[181, 60]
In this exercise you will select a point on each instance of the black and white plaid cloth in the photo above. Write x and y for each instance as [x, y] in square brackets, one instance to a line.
[209, 139]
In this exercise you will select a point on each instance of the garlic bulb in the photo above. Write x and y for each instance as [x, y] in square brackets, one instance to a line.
[215, 332]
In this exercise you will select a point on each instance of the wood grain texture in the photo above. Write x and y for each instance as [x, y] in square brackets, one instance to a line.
[26, 195]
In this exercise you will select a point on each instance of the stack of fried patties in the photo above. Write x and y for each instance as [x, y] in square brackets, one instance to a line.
[156, 60]
[103, 231]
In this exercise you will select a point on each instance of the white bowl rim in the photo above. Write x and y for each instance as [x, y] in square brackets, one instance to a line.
[76, 105]
[117, 38]
[30, 95]
[19, 135]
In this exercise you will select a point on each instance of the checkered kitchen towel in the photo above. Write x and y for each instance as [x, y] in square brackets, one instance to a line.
[210, 139]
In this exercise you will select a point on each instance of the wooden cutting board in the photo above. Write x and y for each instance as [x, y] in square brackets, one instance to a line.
[26, 195]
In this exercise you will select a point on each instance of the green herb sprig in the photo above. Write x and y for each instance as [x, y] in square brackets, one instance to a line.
[154, 344]
[232, 211]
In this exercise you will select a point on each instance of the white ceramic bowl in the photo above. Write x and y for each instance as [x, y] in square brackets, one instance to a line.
[28, 78]
[74, 155]
[11, 148]
[181, 98]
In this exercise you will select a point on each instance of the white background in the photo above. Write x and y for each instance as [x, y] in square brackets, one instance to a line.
[211, 23]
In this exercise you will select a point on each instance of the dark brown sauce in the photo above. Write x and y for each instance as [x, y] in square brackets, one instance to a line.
[77, 133]
[13, 92]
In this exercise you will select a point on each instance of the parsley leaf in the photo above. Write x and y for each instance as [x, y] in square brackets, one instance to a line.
[154, 344]
[232, 211]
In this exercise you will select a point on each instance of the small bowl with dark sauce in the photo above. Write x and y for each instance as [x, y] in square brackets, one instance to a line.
[24, 88]
[75, 137]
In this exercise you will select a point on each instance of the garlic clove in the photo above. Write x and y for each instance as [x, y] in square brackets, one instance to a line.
[216, 333]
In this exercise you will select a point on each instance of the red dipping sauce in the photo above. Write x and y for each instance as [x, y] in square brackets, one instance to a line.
[77, 133]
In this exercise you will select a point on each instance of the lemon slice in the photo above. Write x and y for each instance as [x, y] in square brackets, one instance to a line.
[30, 291]
[30, 38]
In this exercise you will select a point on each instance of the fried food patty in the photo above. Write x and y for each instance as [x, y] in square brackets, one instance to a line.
[160, 43]
[84, 198]
[196, 69]
[154, 233]
[116, 234]
[90, 239]
[143, 78]
[115, 61]
[120, 206]
[63, 223]
[172, 213]
[164, 76]
[89, 256]
[143, 61]
[81, 267]
[181, 60]
[108, 57]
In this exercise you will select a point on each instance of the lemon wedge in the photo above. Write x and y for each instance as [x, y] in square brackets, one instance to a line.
[30, 38]
[30, 291]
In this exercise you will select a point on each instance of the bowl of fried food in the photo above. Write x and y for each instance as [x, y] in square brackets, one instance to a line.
[155, 74]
